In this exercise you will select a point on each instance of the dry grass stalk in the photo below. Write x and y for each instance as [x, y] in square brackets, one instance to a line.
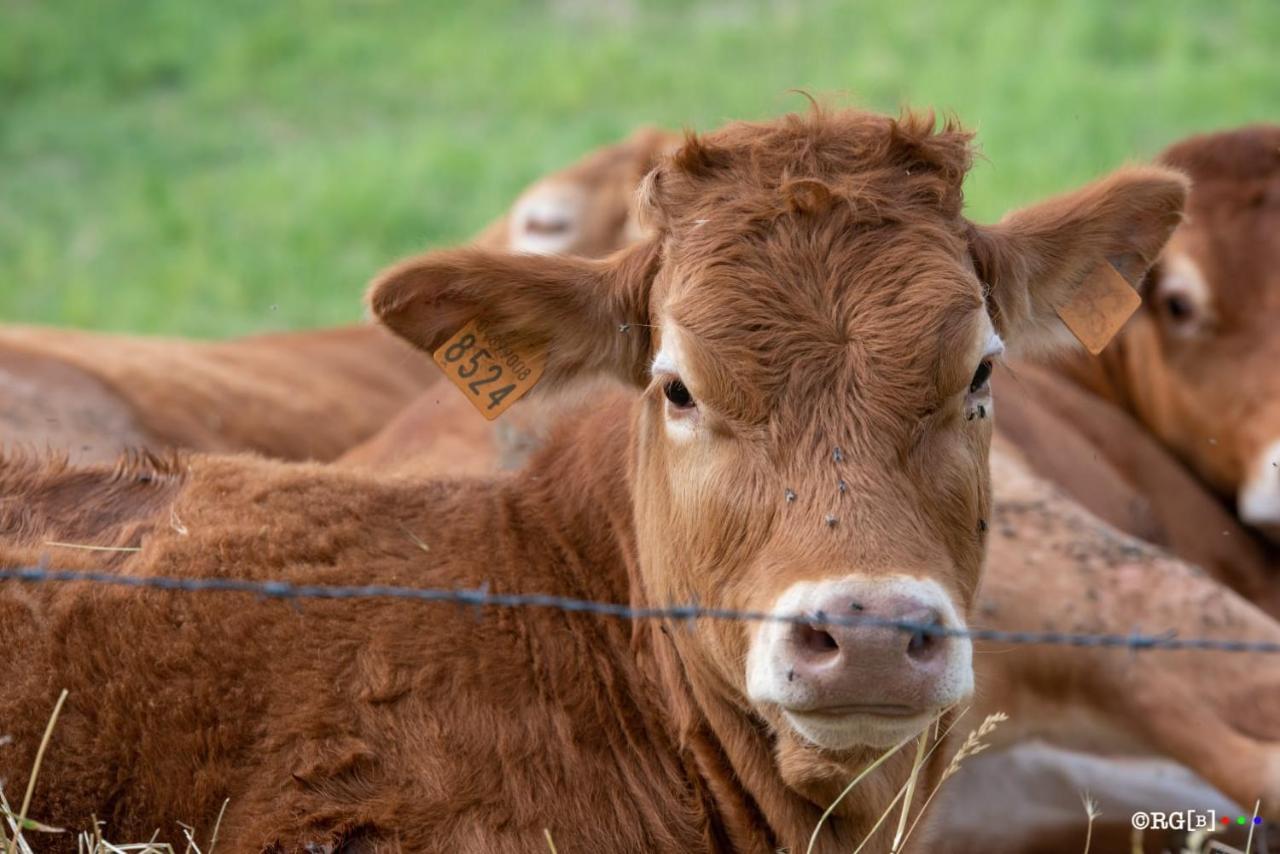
[93, 548]
[902, 791]
[1248, 845]
[910, 791]
[973, 745]
[937, 741]
[417, 541]
[1091, 810]
[217, 825]
[35, 772]
[551, 843]
[813, 838]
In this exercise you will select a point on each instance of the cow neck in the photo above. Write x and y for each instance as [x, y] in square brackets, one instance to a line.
[745, 768]
[725, 752]
[577, 484]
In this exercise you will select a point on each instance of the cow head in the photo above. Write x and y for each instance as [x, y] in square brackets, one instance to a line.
[1199, 363]
[813, 327]
[585, 209]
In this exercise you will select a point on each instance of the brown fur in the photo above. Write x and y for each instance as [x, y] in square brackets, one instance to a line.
[301, 395]
[1053, 567]
[1205, 387]
[1105, 460]
[857, 329]
[1218, 714]
[1068, 699]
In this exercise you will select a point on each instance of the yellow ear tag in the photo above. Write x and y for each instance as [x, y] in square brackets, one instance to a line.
[1099, 307]
[486, 369]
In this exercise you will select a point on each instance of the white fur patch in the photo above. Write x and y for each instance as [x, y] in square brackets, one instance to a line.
[547, 220]
[994, 348]
[669, 363]
[665, 364]
[1183, 276]
[1259, 500]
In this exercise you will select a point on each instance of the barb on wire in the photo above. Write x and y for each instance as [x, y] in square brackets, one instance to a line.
[482, 597]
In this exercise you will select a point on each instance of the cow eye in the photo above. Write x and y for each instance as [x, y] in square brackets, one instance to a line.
[980, 376]
[678, 394]
[1178, 307]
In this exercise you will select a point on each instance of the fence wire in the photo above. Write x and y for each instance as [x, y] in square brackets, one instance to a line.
[482, 597]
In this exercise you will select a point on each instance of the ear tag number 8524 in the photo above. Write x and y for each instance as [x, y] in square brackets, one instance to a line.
[486, 369]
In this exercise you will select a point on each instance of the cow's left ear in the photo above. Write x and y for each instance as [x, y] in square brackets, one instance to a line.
[588, 316]
[1067, 256]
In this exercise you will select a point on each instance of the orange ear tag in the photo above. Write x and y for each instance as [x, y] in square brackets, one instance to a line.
[1099, 307]
[486, 369]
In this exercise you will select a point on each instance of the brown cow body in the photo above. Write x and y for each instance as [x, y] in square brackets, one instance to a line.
[299, 395]
[361, 737]
[855, 355]
[178, 702]
[1103, 459]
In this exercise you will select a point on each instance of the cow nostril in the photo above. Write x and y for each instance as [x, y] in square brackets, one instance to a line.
[918, 644]
[813, 640]
[923, 643]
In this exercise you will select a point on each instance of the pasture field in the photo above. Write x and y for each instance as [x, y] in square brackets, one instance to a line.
[223, 168]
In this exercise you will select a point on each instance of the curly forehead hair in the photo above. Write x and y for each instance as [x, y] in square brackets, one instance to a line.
[885, 168]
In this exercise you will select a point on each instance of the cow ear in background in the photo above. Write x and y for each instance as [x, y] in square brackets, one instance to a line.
[1069, 265]
[570, 308]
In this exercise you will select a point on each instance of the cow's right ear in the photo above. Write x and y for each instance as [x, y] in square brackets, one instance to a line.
[589, 316]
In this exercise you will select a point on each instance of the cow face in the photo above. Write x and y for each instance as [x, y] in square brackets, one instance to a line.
[813, 328]
[586, 209]
[1200, 362]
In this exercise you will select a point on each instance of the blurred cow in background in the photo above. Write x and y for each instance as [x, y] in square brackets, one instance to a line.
[294, 395]
[1197, 366]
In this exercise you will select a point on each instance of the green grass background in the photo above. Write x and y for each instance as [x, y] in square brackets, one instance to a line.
[217, 168]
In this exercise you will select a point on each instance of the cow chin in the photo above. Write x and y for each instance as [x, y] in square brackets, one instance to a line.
[850, 731]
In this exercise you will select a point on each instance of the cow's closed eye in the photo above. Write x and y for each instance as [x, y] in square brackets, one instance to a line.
[547, 226]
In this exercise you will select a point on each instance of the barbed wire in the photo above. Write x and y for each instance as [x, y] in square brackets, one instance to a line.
[482, 597]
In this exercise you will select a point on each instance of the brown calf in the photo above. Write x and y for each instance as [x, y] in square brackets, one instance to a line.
[814, 341]
[1058, 425]
[1196, 366]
